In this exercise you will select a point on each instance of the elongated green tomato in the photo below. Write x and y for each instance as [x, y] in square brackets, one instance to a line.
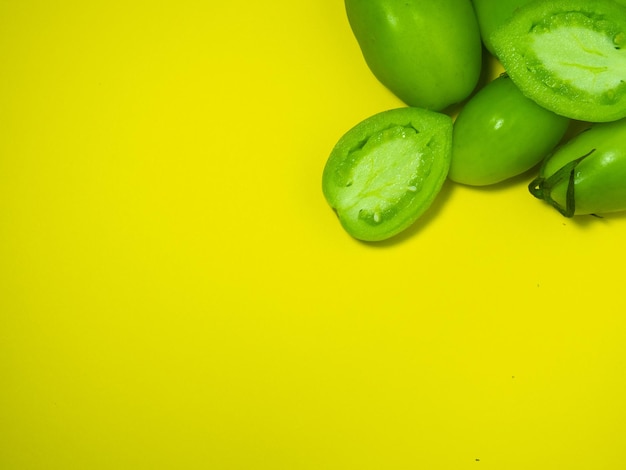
[569, 56]
[492, 14]
[500, 133]
[427, 52]
[587, 175]
[385, 172]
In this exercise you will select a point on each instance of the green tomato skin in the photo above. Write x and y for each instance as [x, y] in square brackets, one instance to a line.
[428, 53]
[500, 134]
[569, 56]
[492, 14]
[598, 180]
[386, 171]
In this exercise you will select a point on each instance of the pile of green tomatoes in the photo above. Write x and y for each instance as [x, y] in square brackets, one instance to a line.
[564, 63]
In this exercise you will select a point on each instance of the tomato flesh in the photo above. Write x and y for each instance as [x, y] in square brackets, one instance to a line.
[386, 171]
[569, 56]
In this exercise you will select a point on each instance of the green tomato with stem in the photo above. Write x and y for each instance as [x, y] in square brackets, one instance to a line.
[586, 175]
[500, 133]
[428, 53]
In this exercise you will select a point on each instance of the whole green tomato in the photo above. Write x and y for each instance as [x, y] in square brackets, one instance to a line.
[500, 133]
[492, 14]
[427, 52]
[587, 175]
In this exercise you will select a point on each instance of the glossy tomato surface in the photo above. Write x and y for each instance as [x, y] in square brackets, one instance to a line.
[427, 53]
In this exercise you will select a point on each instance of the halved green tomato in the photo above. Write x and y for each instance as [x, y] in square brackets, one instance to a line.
[569, 56]
[385, 172]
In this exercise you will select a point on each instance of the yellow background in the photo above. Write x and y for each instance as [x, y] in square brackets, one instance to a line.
[175, 293]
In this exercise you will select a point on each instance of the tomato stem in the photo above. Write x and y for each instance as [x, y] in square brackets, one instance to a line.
[542, 187]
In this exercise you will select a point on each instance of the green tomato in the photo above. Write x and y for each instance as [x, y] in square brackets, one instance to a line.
[569, 56]
[492, 14]
[500, 133]
[587, 175]
[428, 53]
[385, 172]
